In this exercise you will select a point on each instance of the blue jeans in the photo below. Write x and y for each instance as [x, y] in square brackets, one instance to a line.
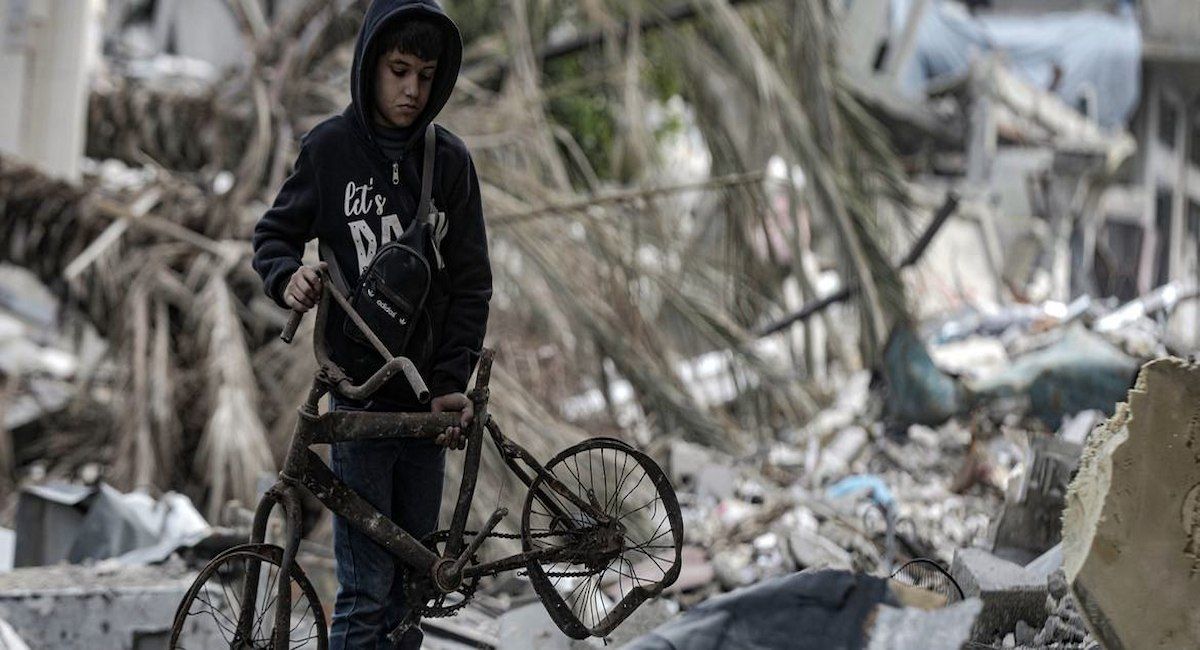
[402, 478]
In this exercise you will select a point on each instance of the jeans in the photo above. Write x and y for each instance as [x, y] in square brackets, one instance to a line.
[402, 478]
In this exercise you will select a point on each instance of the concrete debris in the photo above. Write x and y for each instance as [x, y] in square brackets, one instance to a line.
[1075, 429]
[1030, 522]
[9, 639]
[698, 469]
[1047, 563]
[1131, 531]
[910, 627]
[103, 606]
[1009, 592]
[809, 550]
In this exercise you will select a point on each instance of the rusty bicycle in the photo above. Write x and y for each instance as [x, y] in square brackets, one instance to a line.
[601, 530]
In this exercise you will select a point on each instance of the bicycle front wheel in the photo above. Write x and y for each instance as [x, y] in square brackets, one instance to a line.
[214, 614]
[594, 565]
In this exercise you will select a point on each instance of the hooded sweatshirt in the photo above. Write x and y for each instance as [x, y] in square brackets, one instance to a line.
[354, 195]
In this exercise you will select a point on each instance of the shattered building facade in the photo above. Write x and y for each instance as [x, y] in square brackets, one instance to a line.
[1076, 128]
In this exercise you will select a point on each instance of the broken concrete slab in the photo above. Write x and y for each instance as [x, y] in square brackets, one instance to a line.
[810, 550]
[1046, 563]
[911, 628]
[103, 606]
[1131, 530]
[1009, 592]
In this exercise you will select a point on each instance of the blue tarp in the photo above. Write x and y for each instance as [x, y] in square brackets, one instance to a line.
[1095, 55]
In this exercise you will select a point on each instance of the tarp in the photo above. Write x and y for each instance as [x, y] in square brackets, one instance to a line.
[1095, 56]
[810, 610]
[66, 522]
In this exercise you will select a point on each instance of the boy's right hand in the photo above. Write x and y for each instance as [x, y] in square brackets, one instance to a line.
[303, 289]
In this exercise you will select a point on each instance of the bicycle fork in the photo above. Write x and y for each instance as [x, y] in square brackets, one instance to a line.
[285, 496]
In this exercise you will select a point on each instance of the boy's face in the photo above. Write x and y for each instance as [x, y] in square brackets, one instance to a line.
[402, 84]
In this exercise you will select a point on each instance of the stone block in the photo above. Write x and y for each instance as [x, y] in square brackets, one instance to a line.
[1009, 592]
[910, 628]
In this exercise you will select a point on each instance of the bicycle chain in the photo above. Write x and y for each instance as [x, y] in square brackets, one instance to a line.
[421, 605]
[467, 590]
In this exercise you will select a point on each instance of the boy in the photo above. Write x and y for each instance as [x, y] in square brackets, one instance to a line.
[355, 186]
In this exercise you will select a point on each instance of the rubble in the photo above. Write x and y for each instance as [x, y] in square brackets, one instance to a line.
[1131, 530]
[1029, 524]
[1009, 593]
[101, 606]
[907, 628]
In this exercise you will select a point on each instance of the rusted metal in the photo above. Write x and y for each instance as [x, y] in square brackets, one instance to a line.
[592, 545]
[456, 571]
[466, 490]
[338, 497]
[290, 500]
[345, 426]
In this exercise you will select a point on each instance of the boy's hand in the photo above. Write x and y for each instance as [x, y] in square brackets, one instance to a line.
[303, 289]
[454, 402]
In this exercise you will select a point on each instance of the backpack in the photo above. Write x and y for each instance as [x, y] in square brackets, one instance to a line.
[392, 290]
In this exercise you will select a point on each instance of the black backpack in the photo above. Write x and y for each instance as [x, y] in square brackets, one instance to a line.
[392, 291]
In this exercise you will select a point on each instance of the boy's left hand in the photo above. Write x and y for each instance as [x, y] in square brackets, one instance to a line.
[453, 438]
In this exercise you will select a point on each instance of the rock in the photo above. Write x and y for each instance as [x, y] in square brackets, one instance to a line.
[910, 628]
[1009, 593]
[837, 456]
[1024, 633]
[1057, 584]
[810, 550]
[1131, 530]
[734, 567]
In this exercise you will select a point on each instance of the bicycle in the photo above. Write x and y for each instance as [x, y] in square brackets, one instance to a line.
[595, 505]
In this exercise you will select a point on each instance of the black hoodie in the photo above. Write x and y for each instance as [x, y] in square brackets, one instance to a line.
[347, 192]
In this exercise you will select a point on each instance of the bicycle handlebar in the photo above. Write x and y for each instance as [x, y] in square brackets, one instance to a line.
[392, 364]
[289, 330]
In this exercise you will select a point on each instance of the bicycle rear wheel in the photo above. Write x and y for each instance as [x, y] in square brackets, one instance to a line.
[596, 564]
[208, 616]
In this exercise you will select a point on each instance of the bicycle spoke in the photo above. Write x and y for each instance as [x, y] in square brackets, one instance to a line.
[596, 581]
[220, 604]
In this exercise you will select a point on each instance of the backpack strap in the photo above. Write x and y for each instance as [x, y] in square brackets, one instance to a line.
[335, 271]
[423, 208]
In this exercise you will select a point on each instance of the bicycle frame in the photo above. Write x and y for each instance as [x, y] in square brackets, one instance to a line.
[303, 468]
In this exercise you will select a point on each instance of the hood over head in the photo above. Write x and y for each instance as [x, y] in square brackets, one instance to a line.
[385, 12]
